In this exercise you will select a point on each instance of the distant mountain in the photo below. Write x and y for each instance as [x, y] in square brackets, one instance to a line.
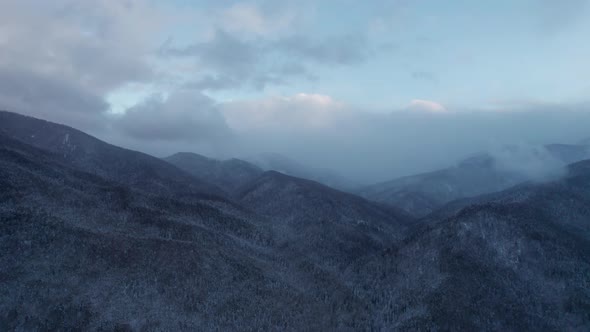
[423, 193]
[282, 164]
[227, 174]
[321, 221]
[518, 262]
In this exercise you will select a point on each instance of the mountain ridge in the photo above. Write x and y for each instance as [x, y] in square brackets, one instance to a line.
[104, 159]
[424, 193]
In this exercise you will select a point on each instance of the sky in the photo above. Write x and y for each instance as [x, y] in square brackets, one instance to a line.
[373, 89]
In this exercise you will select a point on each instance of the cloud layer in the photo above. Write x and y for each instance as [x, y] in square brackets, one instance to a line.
[371, 146]
[374, 90]
[183, 116]
[59, 59]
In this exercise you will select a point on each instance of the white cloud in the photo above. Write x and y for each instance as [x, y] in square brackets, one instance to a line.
[535, 161]
[426, 106]
[98, 44]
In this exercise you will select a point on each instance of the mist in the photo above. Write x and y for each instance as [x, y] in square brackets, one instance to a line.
[370, 146]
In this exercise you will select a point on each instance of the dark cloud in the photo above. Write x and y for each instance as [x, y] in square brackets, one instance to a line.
[223, 53]
[50, 97]
[211, 82]
[278, 76]
[60, 59]
[228, 62]
[182, 116]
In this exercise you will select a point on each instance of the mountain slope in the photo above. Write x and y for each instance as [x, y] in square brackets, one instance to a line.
[520, 262]
[227, 174]
[108, 161]
[81, 252]
[328, 224]
[420, 194]
[423, 193]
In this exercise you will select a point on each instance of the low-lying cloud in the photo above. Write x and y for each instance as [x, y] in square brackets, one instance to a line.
[371, 146]
[182, 116]
[533, 161]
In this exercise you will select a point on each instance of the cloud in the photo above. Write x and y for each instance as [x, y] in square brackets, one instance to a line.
[371, 146]
[223, 52]
[60, 58]
[182, 116]
[99, 45]
[420, 105]
[533, 161]
[214, 82]
[299, 112]
[364, 144]
[103, 47]
[50, 97]
[226, 61]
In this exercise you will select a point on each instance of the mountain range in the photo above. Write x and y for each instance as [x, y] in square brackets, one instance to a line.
[485, 173]
[97, 237]
[516, 260]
